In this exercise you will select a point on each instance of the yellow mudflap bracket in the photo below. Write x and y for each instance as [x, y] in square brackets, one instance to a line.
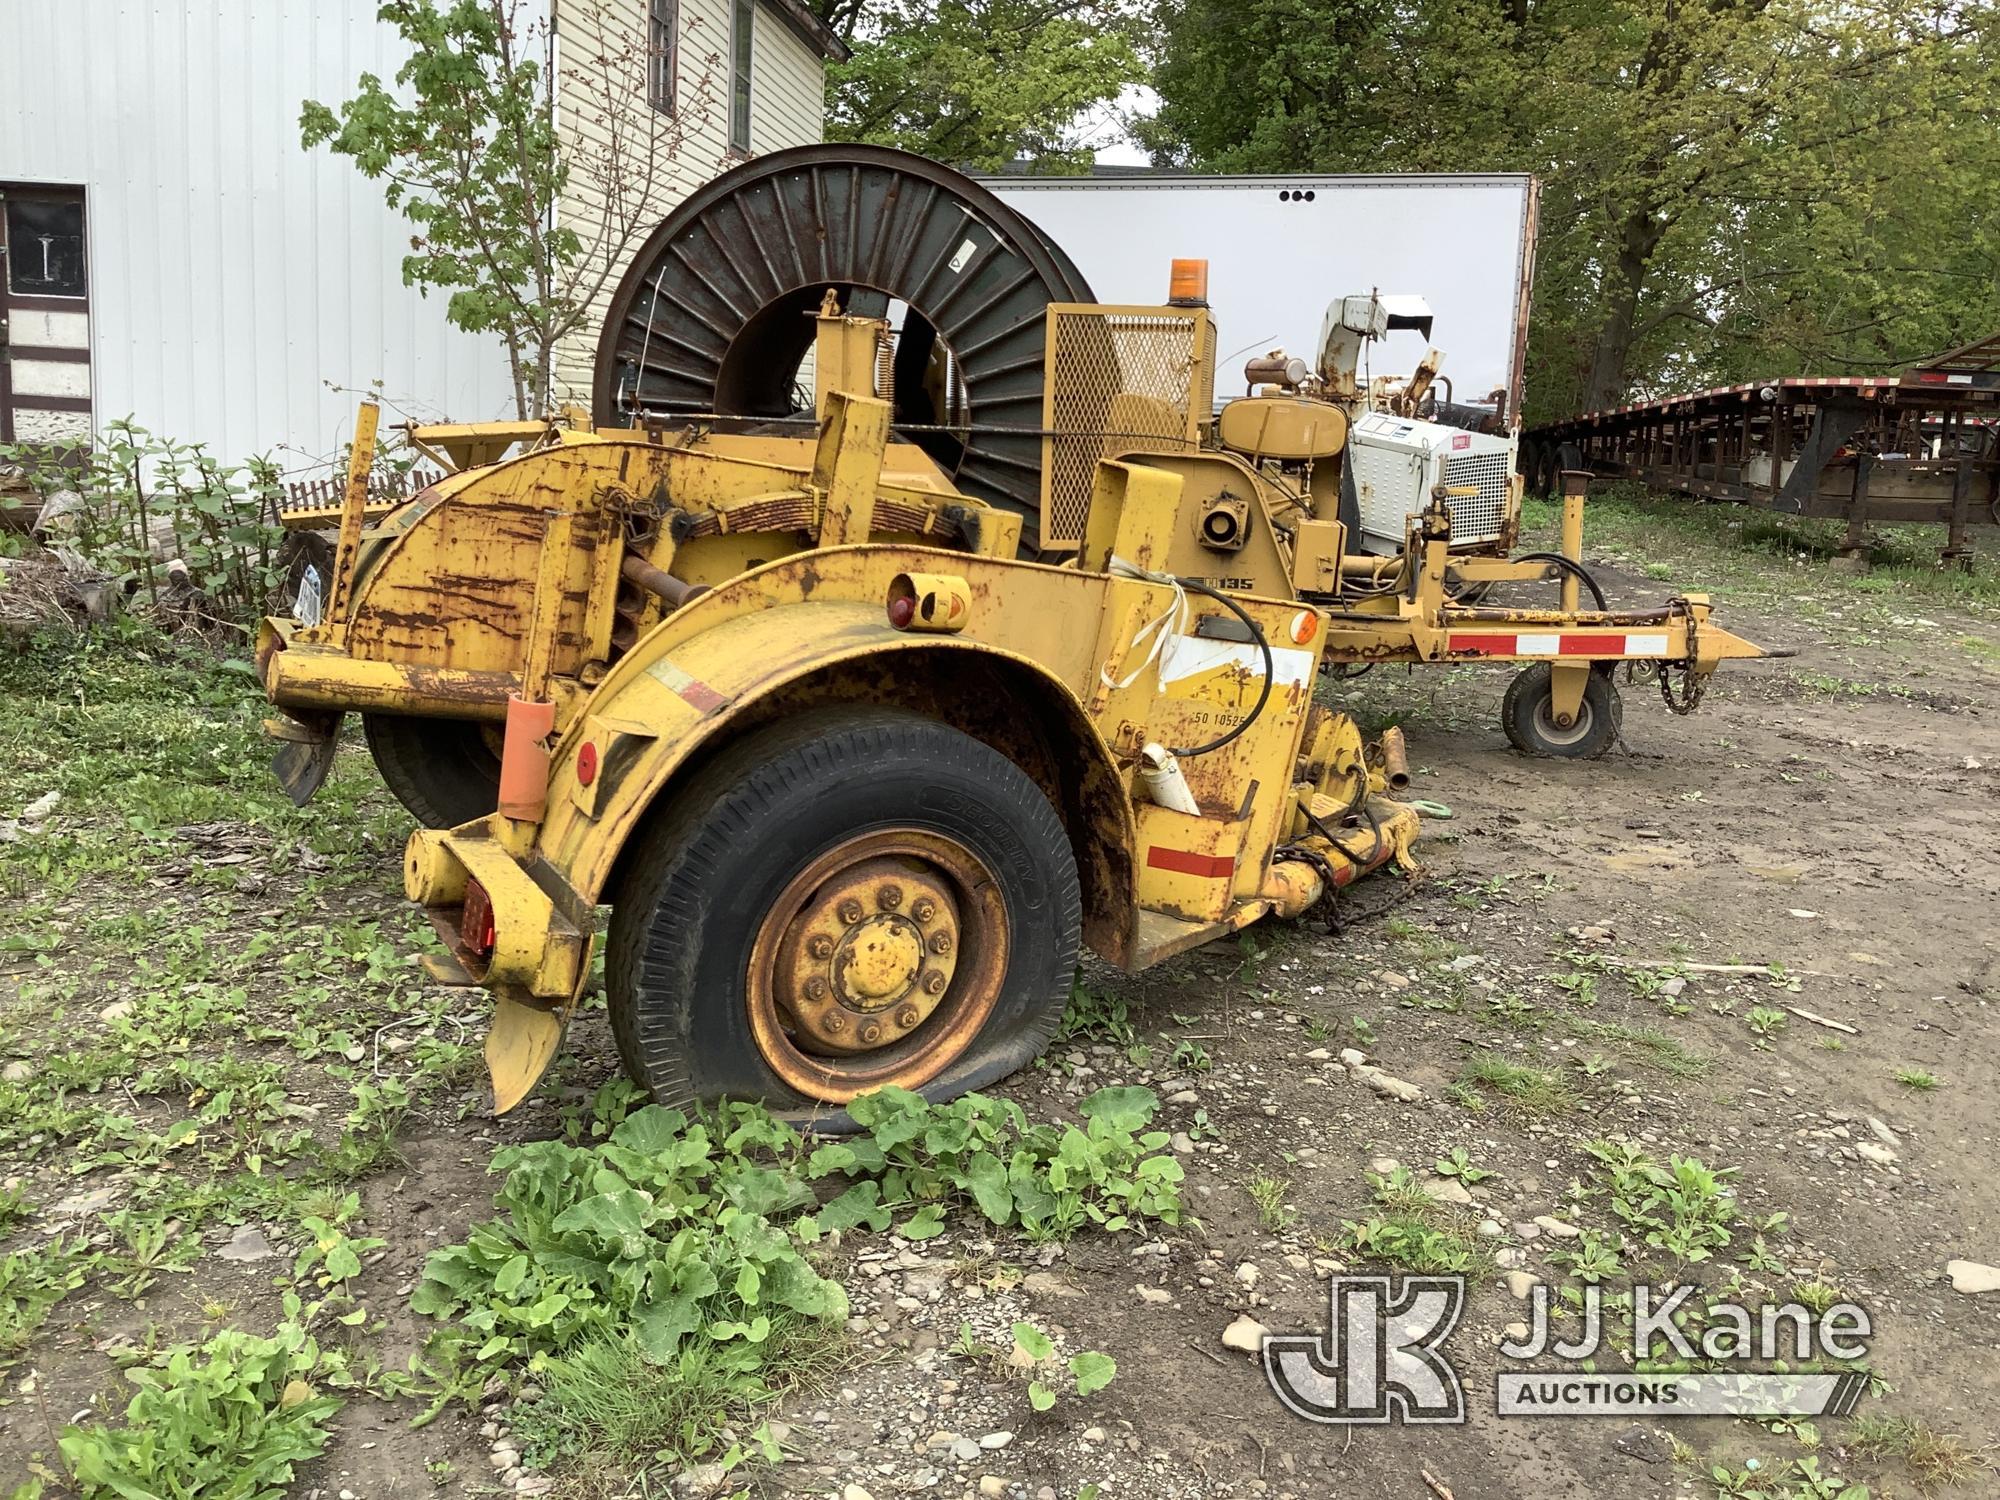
[506, 931]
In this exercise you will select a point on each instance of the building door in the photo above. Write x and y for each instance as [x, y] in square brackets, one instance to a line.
[45, 381]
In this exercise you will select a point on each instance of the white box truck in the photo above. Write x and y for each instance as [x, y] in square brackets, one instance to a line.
[1279, 249]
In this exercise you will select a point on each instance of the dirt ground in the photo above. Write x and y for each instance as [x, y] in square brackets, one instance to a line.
[1833, 814]
[1661, 934]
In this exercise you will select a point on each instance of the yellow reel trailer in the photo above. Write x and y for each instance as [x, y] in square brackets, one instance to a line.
[553, 562]
[435, 611]
[854, 810]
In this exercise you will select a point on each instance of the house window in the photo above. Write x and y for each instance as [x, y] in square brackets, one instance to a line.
[44, 241]
[739, 73]
[663, 53]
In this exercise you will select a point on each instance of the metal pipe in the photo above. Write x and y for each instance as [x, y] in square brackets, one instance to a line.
[1469, 614]
[325, 680]
[1395, 760]
[636, 570]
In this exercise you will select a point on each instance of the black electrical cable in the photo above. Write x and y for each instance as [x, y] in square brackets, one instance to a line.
[1270, 668]
[1374, 828]
[1568, 565]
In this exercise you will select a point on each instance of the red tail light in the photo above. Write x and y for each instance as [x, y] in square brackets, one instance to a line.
[475, 922]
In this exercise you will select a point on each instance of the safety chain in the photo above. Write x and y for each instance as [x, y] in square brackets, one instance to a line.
[1327, 904]
[1340, 906]
[1693, 685]
[1335, 908]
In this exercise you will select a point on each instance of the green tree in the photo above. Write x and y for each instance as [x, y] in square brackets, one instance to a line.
[977, 82]
[521, 220]
[1729, 186]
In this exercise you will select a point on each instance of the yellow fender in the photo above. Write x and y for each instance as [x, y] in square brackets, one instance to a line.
[736, 657]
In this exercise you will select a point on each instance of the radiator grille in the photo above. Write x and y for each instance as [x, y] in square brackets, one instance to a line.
[1481, 517]
[1119, 380]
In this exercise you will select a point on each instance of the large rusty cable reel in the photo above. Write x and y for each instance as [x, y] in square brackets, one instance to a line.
[715, 313]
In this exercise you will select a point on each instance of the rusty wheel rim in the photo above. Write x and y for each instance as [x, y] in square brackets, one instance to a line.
[878, 964]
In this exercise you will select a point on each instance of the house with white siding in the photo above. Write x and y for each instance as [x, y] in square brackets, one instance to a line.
[169, 251]
[737, 77]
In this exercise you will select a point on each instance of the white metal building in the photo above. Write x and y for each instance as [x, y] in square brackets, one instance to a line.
[173, 254]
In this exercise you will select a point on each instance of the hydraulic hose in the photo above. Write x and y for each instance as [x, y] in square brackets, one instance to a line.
[1568, 565]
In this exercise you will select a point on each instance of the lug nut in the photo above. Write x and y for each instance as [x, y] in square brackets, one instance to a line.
[816, 988]
[907, 1017]
[889, 897]
[940, 942]
[835, 1024]
[924, 910]
[821, 946]
[850, 911]
[871, 1033]
[934, 983]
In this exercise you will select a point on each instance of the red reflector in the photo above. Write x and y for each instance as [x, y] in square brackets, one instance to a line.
[475, 922]
[902, 610]
[586, 764]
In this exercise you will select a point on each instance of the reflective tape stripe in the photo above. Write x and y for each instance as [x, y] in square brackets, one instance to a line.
[1543, 643]
[692, 691]
[1187, 862]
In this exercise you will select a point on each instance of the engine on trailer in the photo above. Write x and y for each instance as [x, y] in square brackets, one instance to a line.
[1400, 465]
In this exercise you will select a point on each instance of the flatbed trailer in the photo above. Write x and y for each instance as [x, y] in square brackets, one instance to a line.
[1923, 445]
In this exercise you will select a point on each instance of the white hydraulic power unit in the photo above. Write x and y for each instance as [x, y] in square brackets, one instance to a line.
[1397, 463]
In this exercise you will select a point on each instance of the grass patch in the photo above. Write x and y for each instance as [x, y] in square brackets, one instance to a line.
[1273, 1212]
[232, 1417]
[1917, 1080]
[680, 1258]
[607, 1410]
[192, 1034]
[1935, 1459]
[32, 1283]
[1646, 1044]
[1095, 1016]
[1737, 550]
[1684, 1208]
[1530, 1090]
[1409, 1229]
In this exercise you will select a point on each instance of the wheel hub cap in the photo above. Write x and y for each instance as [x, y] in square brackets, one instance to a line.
[1556, 731]
[868, 956]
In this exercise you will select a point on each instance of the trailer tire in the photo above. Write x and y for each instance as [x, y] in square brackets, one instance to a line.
[1531, 728]
[787, 848]
[442, 770]
[1548, 471]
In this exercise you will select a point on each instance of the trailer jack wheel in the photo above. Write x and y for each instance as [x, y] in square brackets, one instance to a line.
[846, 901]
[1527, 715]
